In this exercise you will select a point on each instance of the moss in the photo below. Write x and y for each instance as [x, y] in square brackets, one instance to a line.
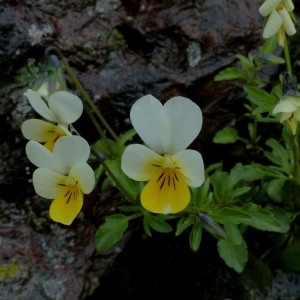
[9, 270]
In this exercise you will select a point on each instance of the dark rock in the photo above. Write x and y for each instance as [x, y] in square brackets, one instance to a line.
[120, 51]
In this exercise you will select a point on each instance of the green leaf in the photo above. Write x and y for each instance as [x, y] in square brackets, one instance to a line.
[233, 233]
[110, 232]
[230, 74]
[157, 223]
[270, 58]
[234, 255]
[264, 101]
[195, 236]
[255, 172]
[291, 256]
[106, 148]
[274, 188]
[226, 136]
[268, 46]
[279, 156]
[230, 215]
[202, 196]
[184, 223]
[264, 219]
[247, 63]
[257, 273]
[132, 187]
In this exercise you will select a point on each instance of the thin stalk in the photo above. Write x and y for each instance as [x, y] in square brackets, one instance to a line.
[112, 176]
[86, 96]
[287, 58]
[296, 172]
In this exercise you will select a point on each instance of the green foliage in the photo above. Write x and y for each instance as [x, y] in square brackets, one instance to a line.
[195, 236]
[111, 232]
[234, 255]
[226, 135]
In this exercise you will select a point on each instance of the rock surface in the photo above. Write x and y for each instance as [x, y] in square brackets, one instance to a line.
[120, 51]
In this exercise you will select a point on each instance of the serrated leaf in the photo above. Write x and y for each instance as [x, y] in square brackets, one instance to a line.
[110, 232]
[226, 135]
[235, 256]
[264, 101]
[247, 63]
[264, 219]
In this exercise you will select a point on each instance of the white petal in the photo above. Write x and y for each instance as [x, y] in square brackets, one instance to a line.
[285, 116]
[145, 116]
[268, 6]
[66, 107]
[39, 105]
[192, 166]
[185, 123]
[47, 183]
[69, 150]
[169, 128]
[85, 176]
[37, 130]
[287, 22]
[138, 162]
[284, 106]
[273, 24]
[289, 5]
[41, 157]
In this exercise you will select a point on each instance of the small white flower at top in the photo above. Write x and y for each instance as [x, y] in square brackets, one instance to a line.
[166, 164]
[289, 107]
[62, 175]
[279, 20]
[62, 110]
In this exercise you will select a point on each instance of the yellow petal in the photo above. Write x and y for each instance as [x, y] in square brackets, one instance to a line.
[167, 192]
[281, 36]
[293, 124]
[67, 205]
[53, 137]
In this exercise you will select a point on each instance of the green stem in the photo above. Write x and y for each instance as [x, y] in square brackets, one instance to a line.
[86, 96]
[296, 172]
[287, 58]
[112, 176]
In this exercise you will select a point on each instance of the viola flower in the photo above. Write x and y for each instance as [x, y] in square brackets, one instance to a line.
[62, 175]
[279, 13]
[62, 110]
[289, 107]
[166, 164]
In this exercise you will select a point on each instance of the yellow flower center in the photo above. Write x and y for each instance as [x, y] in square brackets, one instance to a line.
[54, 135]
[280, 7]
[66, 206]
[167, 191]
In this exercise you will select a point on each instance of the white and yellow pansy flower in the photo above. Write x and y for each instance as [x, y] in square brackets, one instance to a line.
[166, 164]
[289, 107]
[279, 19]
[62, 175]
[62, 110]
